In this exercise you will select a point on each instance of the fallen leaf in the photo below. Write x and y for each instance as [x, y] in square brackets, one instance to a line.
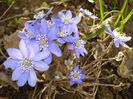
[5, 80]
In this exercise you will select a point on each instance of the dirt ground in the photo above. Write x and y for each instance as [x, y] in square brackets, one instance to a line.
[109, 79]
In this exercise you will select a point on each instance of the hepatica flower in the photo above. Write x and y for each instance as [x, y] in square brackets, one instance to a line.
[63, 34]
[88, 13]
[76, 76]
[24, 61]
[41, 15]
[78, 46]
[67, 20]
[44, 39]
[30, 33]
[119, 39]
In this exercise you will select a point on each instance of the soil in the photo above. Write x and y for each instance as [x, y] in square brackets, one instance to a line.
[104, 83]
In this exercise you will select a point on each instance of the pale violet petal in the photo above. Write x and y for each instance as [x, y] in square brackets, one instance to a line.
[14, 53]
[54, 48]
[71, 46]
[17, 73]
[11, 63]
[23, 48]
[71, 82]
[32, 78]
[41, 66]
[117, 42]
[23, 79]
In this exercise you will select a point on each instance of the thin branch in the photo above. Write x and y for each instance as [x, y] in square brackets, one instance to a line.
[7, 9]
[107, 85]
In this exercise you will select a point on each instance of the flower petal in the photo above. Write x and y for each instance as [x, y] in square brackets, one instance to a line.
[70, 39]
[49, 11]
[60, 14]
[41, 66]
[31, 29]
[71, 82]
[33, 48]
[17, 73]
[124, 45]
[115, 30]
[83, 76]
[14, 53]
[116, 41]
[79, 81]
[92, 16]
[70, 76]
[32, 78]
[23, 48]
[76, 20]
[44, 27]
[54, 48]
[77, 53]
[125, 39]
[22, 79]
[76, 68]
[80, 71]
[60, 40]
[71, 46]
[84, 50]
[109, 31]
[81, 52]
[68, 14]
[48, 60]
[22, 35]
[75, 30]
[11, 63]
[66, 28]
[52, 35]
[56, 21]
[41, 55]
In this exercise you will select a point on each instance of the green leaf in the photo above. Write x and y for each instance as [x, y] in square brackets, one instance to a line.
[127, 18]
[101, 10]
[9, 2]
[93, 35]
[122, 10]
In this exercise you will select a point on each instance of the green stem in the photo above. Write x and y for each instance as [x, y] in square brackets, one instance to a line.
[101, 10]
[122, 10]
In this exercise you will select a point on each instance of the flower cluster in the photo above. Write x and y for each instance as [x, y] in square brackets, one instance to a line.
[37, 45]
[24, 61]
[88, 13]
[76, 76]
[119, 39]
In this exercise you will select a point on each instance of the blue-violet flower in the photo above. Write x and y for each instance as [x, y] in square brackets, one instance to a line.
[45, 37]
[24, 61]
[30, 33]
[88, 13]
[41, 15]
[68, 21]
[76, 76]
[78, 46]
[63, 34]
[118, 38]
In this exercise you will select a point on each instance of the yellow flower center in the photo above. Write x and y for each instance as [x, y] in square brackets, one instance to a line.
[26, 63]
[31, 35]
[66, 21]
[43, 42]
[88, 18]
[117, 35]
[60, 34]
[75, 75]
[77, 43]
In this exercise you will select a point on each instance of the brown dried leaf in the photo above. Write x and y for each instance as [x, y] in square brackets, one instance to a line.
[11, 41]
[5, 80]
